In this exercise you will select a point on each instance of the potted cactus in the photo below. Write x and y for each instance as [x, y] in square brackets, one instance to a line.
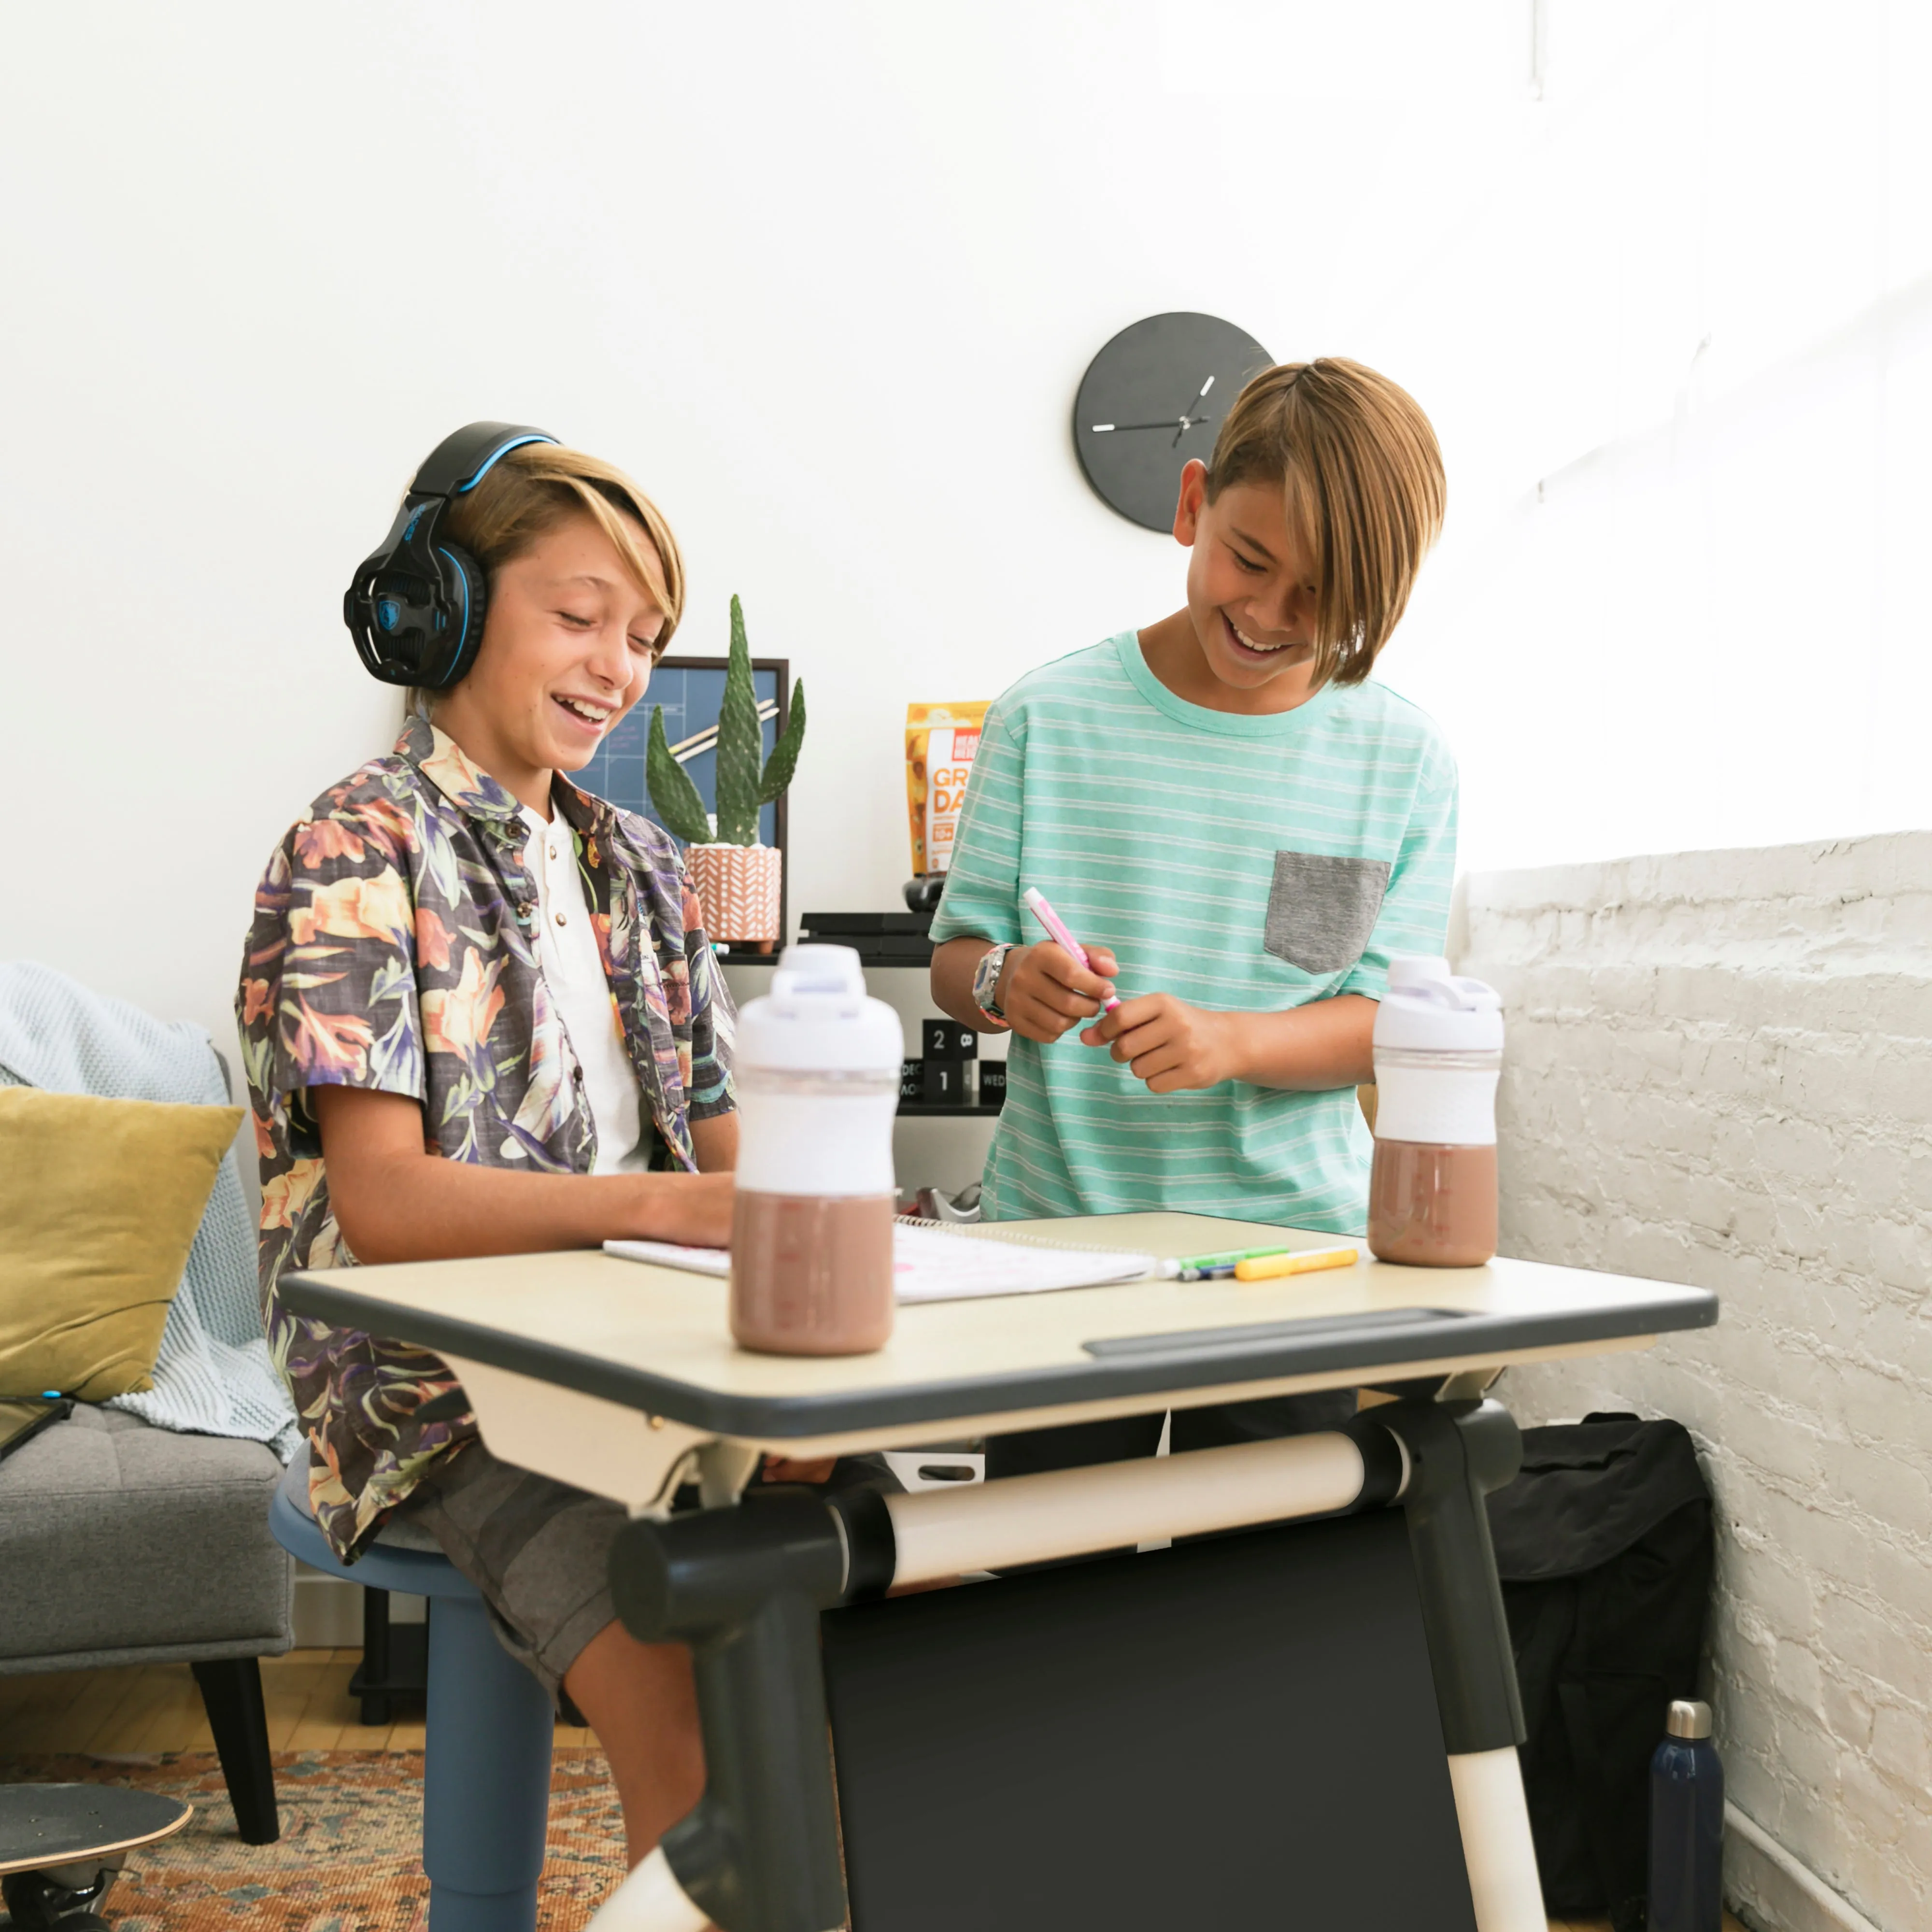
[737, 881]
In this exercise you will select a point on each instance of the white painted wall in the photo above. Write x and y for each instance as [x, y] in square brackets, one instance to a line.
[825, 279]
[1716, 1074]
[1681, 347]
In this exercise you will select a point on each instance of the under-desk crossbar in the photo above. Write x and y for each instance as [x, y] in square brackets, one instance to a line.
[1018, 1520]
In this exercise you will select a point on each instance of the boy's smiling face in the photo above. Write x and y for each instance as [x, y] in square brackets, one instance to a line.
[1248, 642]
[568, 645]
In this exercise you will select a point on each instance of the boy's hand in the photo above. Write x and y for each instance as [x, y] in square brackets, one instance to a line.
[694, 1210]
[1170, 1045]
[1043, 992]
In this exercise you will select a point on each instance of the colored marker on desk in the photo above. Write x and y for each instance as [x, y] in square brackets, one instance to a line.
[1258, 1263]
[1269, 1267]
[1036, 900]
[1191, 1267]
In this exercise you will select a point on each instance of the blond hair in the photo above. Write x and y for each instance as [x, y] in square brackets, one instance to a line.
[1362, 476]
[527, 492]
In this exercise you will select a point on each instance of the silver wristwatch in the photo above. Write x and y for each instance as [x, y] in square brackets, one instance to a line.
[986, 981]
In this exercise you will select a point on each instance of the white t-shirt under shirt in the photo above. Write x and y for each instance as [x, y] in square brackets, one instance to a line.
[573, 969]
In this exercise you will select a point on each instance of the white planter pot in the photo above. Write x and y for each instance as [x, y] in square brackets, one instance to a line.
[738, 888]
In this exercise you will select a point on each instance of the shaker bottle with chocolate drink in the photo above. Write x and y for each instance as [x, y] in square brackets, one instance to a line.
[818, 1073]
[1438, 1049]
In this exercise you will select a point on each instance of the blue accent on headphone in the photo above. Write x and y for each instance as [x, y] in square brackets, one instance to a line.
[462, 638]
[495, 456]
[387, 610]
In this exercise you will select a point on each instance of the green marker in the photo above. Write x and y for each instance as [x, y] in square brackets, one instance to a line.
[1192, 1266]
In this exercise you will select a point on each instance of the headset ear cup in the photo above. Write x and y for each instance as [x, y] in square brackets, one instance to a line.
[469, 599]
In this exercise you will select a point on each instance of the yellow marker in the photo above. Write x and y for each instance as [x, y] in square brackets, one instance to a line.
[1267, 1267]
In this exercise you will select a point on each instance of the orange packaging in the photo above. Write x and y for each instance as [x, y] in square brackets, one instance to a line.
[942, 740]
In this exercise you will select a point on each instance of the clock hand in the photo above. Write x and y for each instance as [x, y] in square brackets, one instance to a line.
[1184, 421]
[1188, 422]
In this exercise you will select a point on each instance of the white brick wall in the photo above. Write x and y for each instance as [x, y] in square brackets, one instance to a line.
[1720, 1072]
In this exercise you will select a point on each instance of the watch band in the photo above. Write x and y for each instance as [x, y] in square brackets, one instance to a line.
[986, 981]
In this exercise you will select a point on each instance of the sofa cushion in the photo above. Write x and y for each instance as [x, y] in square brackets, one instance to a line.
[99, 1203]
[114, 1535]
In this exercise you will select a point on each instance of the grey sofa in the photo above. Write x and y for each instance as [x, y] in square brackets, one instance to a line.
[121, 1543]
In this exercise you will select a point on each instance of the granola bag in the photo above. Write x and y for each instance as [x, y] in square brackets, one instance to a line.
[941, 743]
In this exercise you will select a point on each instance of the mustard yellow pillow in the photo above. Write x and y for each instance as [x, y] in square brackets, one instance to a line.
[99, 1204]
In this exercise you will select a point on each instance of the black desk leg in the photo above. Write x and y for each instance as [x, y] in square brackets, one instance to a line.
[231, 1691]
[743, 1587]
[1458, 1452]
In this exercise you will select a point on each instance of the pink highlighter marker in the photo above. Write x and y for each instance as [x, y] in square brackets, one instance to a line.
[1035, 902]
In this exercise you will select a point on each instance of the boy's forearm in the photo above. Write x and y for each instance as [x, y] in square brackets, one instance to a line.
[397, 1199]
[1308, 1049]
[421, 1208]
[952, 966]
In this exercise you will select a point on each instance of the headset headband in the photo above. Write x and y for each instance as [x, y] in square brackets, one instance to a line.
[459, 462]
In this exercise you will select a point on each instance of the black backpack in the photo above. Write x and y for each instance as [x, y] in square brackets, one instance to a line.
[1604, 1546]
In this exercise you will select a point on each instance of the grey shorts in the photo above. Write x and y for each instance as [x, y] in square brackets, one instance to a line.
[538, 1551]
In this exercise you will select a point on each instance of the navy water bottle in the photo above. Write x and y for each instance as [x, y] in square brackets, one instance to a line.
[1686, 1826]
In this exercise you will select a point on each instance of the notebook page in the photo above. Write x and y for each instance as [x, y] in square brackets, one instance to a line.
[934, 1264]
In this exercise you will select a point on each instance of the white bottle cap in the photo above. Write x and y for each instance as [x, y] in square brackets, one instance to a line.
[1428, 1009]
[817, 1019]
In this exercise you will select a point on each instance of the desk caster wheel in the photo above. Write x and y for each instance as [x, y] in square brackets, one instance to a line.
[36, 1903]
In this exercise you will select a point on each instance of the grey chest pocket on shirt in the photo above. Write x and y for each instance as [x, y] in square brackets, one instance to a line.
[1321, 909]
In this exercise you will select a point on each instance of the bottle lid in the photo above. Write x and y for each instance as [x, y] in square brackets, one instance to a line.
[818, 1019]
[1428, 1007]
[1688, 1718]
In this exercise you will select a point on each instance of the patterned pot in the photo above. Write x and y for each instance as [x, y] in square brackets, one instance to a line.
[737, 886]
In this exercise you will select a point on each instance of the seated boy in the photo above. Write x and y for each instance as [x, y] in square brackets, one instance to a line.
[1242, 828]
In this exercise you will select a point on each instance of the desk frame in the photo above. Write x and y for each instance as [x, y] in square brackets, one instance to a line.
[744, 1588]
[624, 1383]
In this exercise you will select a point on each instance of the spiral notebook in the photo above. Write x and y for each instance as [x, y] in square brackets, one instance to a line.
[934, 1261]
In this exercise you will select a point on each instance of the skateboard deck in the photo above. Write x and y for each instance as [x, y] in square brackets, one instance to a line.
[45, 1826]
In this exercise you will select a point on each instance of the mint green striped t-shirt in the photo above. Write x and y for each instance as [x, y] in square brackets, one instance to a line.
[1245, 864]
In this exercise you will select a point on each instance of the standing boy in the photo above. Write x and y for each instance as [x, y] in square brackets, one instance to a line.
[1235, 822]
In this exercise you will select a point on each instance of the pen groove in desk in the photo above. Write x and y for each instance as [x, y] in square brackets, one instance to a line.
[1194, 1341]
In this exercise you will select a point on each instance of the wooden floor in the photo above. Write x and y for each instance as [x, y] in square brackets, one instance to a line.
[156, 1707]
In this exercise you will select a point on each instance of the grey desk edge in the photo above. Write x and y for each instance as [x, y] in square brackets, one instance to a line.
[1368, 1345]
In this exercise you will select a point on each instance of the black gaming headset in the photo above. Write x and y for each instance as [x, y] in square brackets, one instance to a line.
[415, 607]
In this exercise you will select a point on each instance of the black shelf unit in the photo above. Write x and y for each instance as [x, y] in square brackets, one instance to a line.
[870, 934]
[879, 938]
[867, 959]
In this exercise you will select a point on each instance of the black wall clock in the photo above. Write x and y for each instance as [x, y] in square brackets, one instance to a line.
[1152, 399]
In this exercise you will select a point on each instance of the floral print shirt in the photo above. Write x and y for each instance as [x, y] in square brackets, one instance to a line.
[394, 947]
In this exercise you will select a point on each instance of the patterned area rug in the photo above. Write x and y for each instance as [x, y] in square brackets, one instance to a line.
[350, 1857]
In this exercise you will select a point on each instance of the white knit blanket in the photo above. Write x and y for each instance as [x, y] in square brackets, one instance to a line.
[213, 1376]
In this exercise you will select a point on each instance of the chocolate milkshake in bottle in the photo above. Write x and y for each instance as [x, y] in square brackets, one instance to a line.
[818, 1073]
[1438, 1049]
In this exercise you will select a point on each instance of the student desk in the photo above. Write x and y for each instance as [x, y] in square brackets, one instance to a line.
[623, 1379]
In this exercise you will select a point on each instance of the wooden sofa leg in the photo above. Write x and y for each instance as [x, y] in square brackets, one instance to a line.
[231, 1689]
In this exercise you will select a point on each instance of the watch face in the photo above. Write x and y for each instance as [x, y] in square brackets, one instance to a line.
[1152, 400]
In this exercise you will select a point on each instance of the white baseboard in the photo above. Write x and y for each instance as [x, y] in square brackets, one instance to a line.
[1773, 1889]
[328, 1611]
